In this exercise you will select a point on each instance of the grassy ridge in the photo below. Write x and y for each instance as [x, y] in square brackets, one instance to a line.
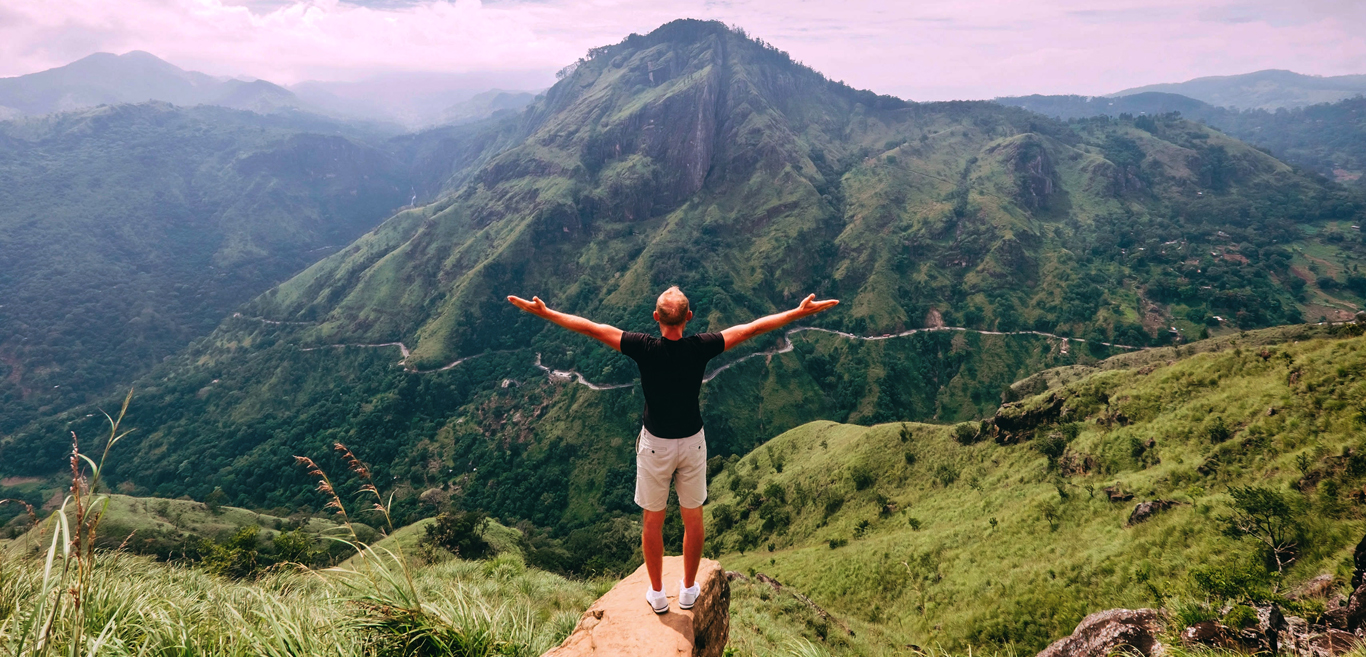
[1014, 546]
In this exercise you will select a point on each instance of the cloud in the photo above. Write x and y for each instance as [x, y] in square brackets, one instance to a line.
[924, 50]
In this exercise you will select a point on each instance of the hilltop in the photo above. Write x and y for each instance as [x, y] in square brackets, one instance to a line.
[1269, 90]
[134, 77]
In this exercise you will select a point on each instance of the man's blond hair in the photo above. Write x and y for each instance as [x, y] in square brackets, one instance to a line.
[672, 307]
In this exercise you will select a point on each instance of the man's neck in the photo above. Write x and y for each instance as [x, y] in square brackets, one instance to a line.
[672, 332]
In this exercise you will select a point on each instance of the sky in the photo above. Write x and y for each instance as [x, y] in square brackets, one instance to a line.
[931, 50]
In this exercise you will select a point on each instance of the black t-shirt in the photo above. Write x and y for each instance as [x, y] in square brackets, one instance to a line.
[671, 374]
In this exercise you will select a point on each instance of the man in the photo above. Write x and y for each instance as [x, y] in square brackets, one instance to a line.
[671, 444]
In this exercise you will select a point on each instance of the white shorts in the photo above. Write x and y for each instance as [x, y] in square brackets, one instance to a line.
[680, 460]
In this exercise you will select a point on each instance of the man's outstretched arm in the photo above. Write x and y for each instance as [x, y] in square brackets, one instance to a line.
[737, 334]
[608, 335]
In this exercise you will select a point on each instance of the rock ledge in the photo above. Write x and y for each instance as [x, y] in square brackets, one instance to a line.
[621, 624]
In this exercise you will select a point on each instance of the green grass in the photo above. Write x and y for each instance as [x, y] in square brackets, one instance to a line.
[1057, 549]
[139, 606]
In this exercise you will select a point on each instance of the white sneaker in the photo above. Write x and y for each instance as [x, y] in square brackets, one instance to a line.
[688, 597]
[657, 600]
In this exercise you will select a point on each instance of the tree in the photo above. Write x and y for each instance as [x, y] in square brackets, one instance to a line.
[461, 532]
[1270, 517]
[215, 500]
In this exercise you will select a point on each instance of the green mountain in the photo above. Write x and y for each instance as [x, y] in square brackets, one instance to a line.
[1269, 90]
[1007, 535]
[133, 77]
[1329, 137]
[128, 231]
[696, 156]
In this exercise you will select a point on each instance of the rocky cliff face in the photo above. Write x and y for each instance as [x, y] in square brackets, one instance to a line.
[620, 623]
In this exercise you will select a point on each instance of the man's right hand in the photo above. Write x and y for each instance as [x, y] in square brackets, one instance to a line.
[810, 306]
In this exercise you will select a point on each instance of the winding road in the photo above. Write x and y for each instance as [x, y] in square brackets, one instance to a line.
[784, 346]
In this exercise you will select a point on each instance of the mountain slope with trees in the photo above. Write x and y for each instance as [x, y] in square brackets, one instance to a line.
[1126, 485]
[127, 231]
[700, 157]
[1329, 138]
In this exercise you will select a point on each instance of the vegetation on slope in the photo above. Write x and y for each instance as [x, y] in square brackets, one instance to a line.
[937, 535]
[127, 231]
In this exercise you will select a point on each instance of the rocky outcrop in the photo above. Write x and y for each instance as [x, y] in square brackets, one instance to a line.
[1114, 631]
[1145, 510]
[1274, 634]
[1015, 422]
[621, 624]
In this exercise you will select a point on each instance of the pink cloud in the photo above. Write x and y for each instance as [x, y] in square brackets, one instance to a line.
[922, 50]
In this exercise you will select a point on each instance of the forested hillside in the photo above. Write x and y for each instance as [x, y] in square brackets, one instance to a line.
[127, 231]
[699, 157]
[1329, 138]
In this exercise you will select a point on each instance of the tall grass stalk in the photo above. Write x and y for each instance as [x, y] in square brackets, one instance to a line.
[75, 601]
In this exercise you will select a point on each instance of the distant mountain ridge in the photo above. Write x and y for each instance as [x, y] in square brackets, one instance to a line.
[1328, 137]
[402, 101]
[135, 77]
[1270, 89]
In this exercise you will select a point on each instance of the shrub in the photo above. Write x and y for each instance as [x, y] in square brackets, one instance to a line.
[460, 532]
[774, 491]
[1231, 580]
[914, 523]
[1240, 617]
[945, 473]
[214, 501]
[838, 543]
[905, 433]
[861, 528]
[863, 477]
[294, 547]
[1052, 446]
[237, 557]
[1218, 431]
[910, 457]
[966, 433]
[722, 517]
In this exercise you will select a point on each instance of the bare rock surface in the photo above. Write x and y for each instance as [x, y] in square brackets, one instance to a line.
[621, 624]
[1113, 631]
[1145, 510]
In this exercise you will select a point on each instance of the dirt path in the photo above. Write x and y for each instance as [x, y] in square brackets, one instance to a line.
[784, 346]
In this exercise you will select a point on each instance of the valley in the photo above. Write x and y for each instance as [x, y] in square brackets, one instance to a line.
[1052, 312]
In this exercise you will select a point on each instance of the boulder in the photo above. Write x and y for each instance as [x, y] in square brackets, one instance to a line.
[1355, 614]
[1319, 587]
[1146, 510]
[1359, 560]
[1327, 642]
[1206, 633]
[620, 623]
[1116, 493]
[1114, 631]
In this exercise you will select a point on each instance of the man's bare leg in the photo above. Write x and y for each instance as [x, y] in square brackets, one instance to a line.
[652, 546]
[694, 534]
